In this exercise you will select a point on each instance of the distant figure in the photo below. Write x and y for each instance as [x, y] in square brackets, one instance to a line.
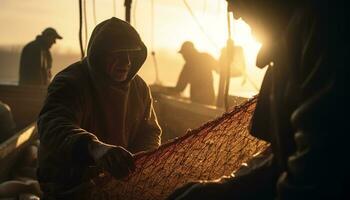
[36, 59]
[97, 113]
[238, 64]
[237, 68]
[197, 72]
[7, 125]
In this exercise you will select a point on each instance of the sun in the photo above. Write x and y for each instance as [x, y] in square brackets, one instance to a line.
[243, 37]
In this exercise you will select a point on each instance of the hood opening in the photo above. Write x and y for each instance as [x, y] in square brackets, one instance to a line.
[110, 36]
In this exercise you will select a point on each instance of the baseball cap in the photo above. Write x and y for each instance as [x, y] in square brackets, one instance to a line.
[186, 46]
[51, 32]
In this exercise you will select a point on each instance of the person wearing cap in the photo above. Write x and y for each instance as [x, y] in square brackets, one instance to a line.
[302, 105]
[197, 73]
[98, 113]
[36, 60]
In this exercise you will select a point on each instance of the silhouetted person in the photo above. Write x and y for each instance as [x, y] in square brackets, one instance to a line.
[7, 125]
[36, 60]
[197, 72]
[301, 108]
[237, 67]
[98, 111]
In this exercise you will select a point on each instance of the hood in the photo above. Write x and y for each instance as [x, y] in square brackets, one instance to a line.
[114, 35]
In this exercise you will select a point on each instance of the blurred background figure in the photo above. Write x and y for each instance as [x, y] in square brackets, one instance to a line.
[197, 72]
[36, 59]
[235, 58]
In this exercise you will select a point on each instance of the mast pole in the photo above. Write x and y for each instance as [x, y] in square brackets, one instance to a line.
[229, 59]
[127, 4]
[80, 29]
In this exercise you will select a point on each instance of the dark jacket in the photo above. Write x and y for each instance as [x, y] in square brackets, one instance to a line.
[35, 63]
[297, 111]
[197, 72]
[84, 104]
[301, 110]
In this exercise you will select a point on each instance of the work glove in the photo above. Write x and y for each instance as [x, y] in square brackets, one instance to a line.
[115, 159]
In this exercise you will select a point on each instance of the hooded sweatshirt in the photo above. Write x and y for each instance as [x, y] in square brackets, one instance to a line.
[84, 103]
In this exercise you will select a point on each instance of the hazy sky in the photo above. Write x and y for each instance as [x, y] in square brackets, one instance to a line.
[22, 20]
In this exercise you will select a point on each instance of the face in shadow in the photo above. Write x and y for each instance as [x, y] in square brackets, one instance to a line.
[50, 40]
[117, 65]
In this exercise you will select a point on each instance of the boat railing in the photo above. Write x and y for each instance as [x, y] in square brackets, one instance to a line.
[11, 149]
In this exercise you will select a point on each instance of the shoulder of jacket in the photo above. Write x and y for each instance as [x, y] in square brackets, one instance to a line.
[32, 45]
[139, 81]
[141, 86]
[205, 54]
[73, 74]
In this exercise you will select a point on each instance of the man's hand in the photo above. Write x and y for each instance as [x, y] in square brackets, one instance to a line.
[115, 159]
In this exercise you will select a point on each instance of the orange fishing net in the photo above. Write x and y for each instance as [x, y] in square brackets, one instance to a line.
[215, 149]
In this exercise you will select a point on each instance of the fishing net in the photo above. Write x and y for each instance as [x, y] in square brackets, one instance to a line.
[215, 149]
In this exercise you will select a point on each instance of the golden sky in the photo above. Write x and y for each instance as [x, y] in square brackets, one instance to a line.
[22, 20]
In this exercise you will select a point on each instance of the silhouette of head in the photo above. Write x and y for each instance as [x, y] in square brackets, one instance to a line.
[50, 35]
[115, 52]
[187, 49]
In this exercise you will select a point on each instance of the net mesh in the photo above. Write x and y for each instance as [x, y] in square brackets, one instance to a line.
[215, 149]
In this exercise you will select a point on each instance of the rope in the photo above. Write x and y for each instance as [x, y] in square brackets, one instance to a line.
[114, 8]
[229, 61]
[134, 14]
[80, 29]
[152, 25]
[94, 11]
[200, 26]
[153, 53]
[85, 26]
[127, 4]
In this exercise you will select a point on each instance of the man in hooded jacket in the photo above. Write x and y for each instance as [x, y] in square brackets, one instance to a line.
[98, 111]
[301, 105]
